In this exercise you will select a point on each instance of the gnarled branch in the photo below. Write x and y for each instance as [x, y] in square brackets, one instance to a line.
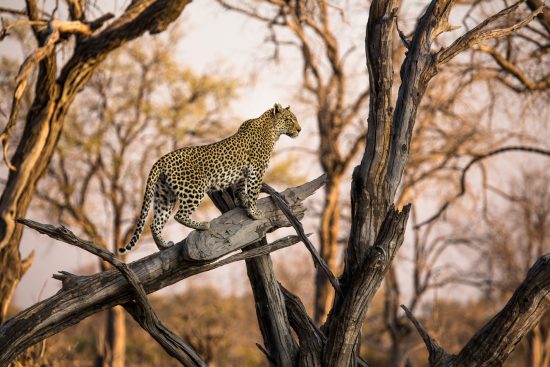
[80, 297]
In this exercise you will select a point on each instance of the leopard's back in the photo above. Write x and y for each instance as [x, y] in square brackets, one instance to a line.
[208, 167]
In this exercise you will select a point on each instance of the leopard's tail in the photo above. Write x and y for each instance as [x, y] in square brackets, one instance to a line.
[147, 198]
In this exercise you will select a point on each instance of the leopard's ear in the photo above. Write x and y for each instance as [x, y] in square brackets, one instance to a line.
[287, 108]
[277, 108]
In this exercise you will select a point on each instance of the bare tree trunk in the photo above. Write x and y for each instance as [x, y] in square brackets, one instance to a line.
[329, 231]
[31, 158]
[114, 347]
[538, 344]
[281, 348]
[271, 310]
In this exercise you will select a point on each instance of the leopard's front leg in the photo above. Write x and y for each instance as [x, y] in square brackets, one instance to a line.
[241, 195]
[253, 186]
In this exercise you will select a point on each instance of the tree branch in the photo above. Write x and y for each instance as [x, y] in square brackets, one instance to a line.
[436, 353]
[480, 32]
[494, 342]
[80, 297]
[140, 308]
[513, 70]
[283, 206]
[342, 325]
[475, 160]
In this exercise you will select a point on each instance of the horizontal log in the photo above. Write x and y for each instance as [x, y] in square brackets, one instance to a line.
[235, 230]
[82, 296]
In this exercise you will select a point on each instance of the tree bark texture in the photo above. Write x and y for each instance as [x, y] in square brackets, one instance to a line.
[268, 298]
[271, 310]
[377, 229]
[44, 121]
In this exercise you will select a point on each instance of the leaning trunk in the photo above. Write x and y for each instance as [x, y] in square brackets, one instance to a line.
[44, 120]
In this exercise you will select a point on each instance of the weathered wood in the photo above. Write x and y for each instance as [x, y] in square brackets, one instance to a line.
[280, 202]
[140, 309]
[280, 347]
[494, 342]
[235, 230]
[376, 180]
[83, 296]
[342, 323]
[311, 338]
[271, 310]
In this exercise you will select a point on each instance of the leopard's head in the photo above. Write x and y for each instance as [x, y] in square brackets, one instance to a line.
[285, 121]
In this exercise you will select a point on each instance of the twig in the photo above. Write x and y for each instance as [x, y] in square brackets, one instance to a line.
[281, 204]
[468, 166]
[434, 350]
[264, 351]
[404, 38]
[140, 308]
[12, 11]
[479, 33]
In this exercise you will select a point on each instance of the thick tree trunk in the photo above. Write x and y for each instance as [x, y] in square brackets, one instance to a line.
[31, 159]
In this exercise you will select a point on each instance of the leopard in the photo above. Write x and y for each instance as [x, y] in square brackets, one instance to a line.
[187, 174]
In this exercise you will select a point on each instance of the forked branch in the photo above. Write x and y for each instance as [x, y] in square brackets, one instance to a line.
[480, 33]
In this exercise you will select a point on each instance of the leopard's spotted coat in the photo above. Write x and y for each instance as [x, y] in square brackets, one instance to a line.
[187, 174]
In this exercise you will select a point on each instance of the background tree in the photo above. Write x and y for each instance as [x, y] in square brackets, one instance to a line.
[511, 249]
[55, 87]
[116, 132]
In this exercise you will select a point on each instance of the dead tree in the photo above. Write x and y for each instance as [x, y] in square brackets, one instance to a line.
[376, 234]
[54, 93]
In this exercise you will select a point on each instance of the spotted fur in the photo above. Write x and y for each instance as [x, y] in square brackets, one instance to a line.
[187, 174]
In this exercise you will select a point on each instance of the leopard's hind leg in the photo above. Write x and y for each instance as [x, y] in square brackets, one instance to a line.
[189, 201]
[165, 200]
